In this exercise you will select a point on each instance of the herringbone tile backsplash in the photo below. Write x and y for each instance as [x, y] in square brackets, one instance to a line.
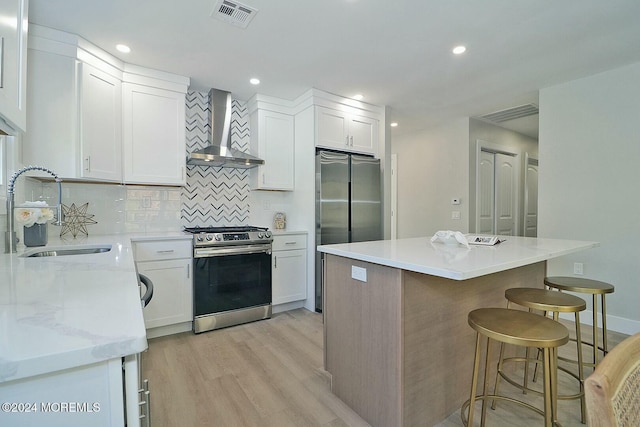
[215, 196]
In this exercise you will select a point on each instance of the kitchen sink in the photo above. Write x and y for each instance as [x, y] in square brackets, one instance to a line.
[64, 251]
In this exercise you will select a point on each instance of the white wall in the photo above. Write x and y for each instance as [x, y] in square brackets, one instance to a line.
[433, 167]
[588, 188]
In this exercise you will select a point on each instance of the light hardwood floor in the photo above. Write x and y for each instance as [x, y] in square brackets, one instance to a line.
[269, 373]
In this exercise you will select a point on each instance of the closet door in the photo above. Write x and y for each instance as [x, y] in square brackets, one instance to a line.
[497, 193]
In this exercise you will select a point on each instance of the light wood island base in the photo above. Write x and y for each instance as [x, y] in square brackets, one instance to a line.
[398, 346]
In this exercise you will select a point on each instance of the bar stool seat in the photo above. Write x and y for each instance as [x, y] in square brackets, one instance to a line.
[555, 302]
[522, 329]
[594, 288]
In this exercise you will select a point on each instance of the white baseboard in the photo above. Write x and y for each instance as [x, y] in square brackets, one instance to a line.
[287, 306]
[614, 323]
[169, 330]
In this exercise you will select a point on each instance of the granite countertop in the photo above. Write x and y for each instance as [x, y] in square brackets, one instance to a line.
[455, 261]
[68, 311]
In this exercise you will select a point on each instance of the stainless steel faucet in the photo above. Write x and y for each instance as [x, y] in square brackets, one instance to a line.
[10, 240]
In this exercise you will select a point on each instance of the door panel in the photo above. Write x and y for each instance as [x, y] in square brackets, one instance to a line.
[333, 197]
[506, 193]
[531, 199]
[366, 211]
[486, 194]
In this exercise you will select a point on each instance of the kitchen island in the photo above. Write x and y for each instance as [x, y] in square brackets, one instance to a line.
[397, 343]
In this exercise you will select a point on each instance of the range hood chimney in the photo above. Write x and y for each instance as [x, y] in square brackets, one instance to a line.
[220, 153]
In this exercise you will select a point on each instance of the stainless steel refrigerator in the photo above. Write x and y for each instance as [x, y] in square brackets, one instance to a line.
[348, 203]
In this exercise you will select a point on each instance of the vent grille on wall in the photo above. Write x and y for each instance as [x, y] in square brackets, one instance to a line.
[511, 113]
[234, 13]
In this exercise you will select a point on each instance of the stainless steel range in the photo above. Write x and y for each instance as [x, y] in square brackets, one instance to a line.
[232, 276]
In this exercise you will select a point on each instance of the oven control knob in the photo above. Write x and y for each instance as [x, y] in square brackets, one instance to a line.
[267, 234]
[260, 235]
[218, 237]
[199, 238]
[209, 237]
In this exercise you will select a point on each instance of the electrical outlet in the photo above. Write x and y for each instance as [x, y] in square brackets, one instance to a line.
[359, 273]
[455, 214]
[578, 268]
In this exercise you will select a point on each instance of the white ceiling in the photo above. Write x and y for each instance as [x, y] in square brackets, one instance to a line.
[395, 52]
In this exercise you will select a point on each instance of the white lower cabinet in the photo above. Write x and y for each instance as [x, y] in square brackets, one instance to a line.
[289, 268]
[90, 395]
[167, 263]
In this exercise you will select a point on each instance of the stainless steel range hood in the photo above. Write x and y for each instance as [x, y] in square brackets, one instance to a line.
[220, 153]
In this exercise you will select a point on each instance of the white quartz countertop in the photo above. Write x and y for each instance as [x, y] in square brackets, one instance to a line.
[455, 261]
[66, 311]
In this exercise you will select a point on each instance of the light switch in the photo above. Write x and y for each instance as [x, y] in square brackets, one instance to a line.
[359, 273]
[455, 214]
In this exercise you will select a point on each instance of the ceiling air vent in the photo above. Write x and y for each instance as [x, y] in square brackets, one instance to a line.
[234, 13]
[511, 113]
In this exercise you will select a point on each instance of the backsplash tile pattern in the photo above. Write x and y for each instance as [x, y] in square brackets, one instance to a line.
[215, 196]
[117, 208]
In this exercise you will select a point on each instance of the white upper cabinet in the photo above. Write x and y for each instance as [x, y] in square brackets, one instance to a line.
[272, 140]
[86, 124]
[75, 115]
[346, 131]
[154, 135]
[13, 65]
[100, 124]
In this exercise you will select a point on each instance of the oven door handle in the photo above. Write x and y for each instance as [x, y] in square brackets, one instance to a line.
[212, 252]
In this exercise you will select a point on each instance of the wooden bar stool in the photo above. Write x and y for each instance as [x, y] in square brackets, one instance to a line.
[595, 288]
[556, 303]
[522, 329]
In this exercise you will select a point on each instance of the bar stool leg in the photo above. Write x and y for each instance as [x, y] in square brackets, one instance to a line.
[595, 330]
[474, 382]
[605, 342]
[485, 387]
[548, 415]
[580, 368]
[496, 385]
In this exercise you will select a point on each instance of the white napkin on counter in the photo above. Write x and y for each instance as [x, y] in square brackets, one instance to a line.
[451, 237]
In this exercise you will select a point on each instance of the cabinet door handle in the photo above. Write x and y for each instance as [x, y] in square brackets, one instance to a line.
[88, 164]
[347, 138]
[167, 251]
[188, 271]
[290, 243]
[263, 179]
[275, 261]
[351, 140]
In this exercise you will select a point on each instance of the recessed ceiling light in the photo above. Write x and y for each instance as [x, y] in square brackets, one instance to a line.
[393, 124]
[254, 81]
[123, 48]
[358, 97]
[459, 50]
